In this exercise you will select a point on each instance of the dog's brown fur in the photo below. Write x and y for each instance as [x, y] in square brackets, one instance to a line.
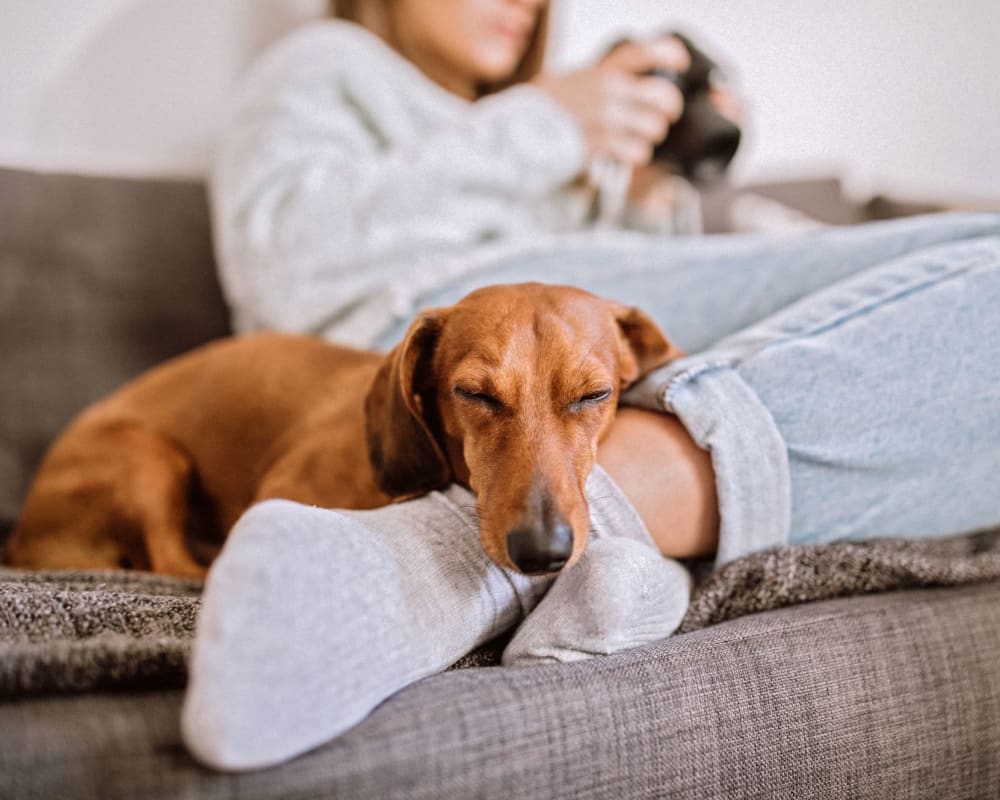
[503, 392]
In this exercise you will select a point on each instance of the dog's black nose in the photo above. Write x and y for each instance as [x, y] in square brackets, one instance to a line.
[535, 550]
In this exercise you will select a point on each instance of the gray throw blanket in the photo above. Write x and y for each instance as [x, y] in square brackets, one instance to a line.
[75, 631]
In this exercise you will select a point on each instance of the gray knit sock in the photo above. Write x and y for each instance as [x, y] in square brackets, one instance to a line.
[310, 618]
[622, 593]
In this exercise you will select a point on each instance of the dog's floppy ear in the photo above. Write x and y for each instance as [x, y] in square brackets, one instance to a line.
[643, 345]
[401, 416]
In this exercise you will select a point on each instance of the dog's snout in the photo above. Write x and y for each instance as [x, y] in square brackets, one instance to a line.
[539, 550]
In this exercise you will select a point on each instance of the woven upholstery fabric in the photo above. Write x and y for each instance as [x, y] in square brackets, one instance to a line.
[100, 278]
[884, 696]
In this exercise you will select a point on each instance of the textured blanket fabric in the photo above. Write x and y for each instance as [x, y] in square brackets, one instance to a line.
[75, 631]
[64, 632]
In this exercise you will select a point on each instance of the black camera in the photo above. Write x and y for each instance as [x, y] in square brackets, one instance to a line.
[702, 142]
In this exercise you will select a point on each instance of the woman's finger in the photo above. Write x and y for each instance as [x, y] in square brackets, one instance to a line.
[640, 57]
[642, 105]
[660, 95]
[648, 124]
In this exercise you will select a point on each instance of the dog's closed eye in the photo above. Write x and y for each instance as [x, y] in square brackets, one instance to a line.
[594, 398]
[484, 399]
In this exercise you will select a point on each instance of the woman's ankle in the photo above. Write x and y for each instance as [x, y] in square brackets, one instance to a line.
[668, 479]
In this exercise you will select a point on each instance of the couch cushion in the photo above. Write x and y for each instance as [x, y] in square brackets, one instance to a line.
[99, 279]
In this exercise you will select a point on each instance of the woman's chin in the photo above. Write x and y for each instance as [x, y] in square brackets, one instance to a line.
[499, 63]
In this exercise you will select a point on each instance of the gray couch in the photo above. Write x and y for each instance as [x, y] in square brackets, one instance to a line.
[880, 693]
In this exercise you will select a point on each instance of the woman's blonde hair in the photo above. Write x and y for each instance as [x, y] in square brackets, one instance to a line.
[373, 15]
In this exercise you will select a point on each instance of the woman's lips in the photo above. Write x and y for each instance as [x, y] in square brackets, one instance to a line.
[511, 31]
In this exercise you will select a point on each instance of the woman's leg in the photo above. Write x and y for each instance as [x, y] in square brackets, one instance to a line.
[872, 408]
[700, 289]
[869, 409]
[667, 478]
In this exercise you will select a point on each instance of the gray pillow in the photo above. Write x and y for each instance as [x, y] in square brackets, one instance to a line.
[100, 278]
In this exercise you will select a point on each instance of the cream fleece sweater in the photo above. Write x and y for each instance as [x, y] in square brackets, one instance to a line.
[347, 183]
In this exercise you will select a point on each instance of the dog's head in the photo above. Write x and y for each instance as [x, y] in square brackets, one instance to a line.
[509, 392]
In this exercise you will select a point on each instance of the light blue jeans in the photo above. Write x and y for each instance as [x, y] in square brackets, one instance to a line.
[846, 382]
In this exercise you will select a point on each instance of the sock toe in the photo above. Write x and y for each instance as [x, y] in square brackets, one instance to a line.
[621, 594]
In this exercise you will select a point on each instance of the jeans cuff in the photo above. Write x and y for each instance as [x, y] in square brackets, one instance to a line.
[725, 417]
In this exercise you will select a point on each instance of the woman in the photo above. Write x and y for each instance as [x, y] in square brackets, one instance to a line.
[841, 385]
[360, 158]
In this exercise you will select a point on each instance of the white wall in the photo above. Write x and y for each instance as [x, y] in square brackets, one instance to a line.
[126, 86]
[892, 95]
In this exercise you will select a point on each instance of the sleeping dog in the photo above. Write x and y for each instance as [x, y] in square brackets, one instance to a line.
[508, 392]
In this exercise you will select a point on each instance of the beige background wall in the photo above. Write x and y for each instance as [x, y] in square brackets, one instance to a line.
[892, 95]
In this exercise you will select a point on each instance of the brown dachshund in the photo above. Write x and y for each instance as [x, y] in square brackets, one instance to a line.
[507, 392]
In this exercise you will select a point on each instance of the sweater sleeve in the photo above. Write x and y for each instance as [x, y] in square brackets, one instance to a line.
[312, 197]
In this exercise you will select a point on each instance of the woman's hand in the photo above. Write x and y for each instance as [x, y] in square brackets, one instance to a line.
[623, 111]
